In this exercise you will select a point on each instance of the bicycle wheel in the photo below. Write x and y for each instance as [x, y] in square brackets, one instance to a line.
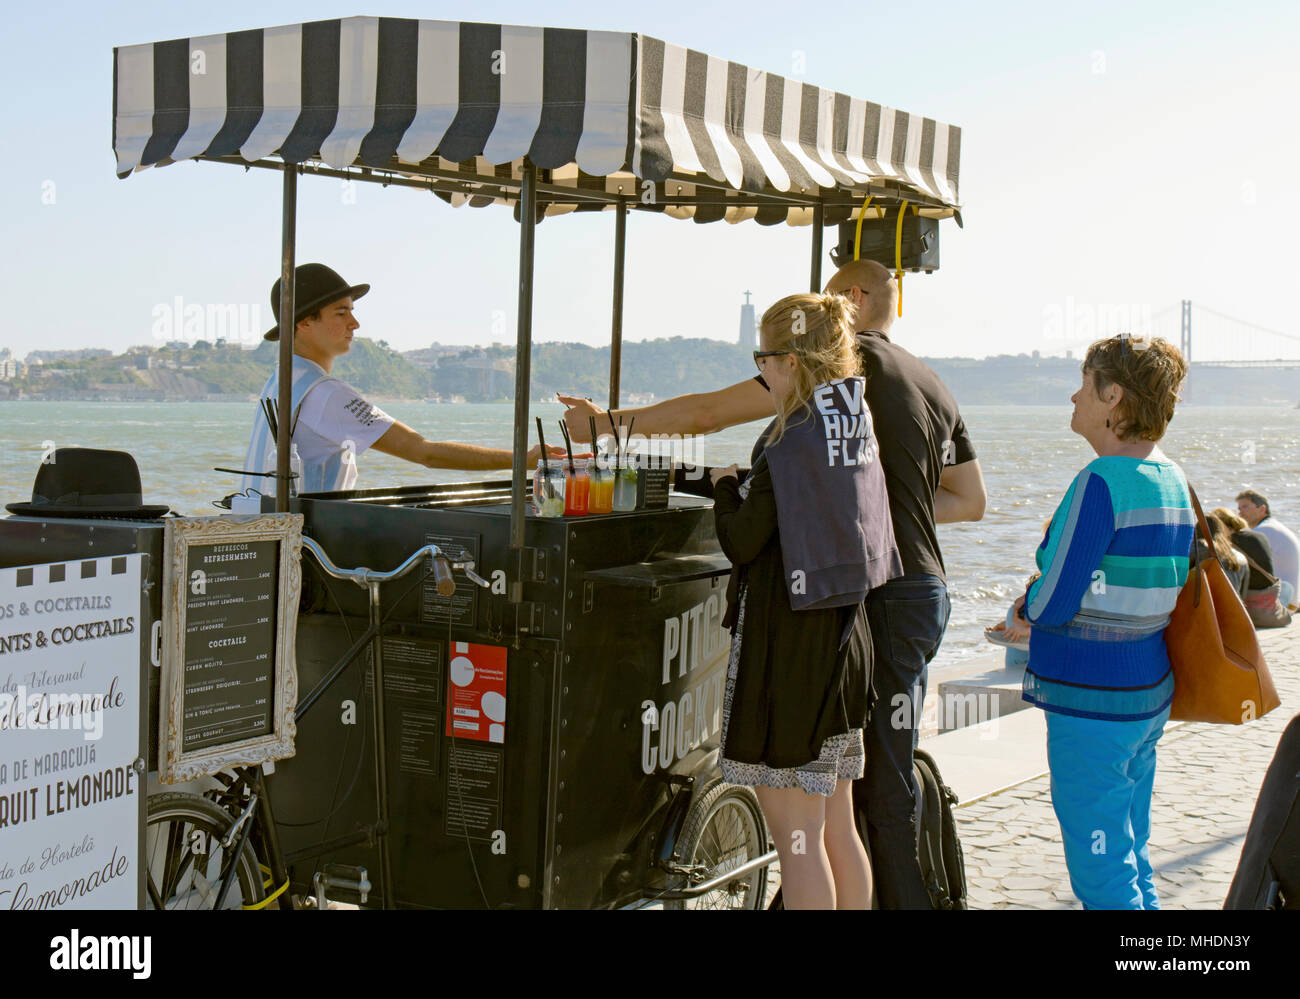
[186, 860]
[724, 830]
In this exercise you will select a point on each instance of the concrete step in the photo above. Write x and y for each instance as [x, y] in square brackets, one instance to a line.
[975, 691]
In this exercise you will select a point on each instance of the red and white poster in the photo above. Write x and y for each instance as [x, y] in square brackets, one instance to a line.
[477, 707]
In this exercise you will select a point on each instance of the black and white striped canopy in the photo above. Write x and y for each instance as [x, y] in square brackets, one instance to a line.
[460, 105]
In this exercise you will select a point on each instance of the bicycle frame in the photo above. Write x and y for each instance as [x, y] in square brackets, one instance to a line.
[251, 779]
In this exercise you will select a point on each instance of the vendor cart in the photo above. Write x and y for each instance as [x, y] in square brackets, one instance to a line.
[552, 727]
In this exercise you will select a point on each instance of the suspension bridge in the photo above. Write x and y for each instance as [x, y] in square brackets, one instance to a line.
[1207, 337]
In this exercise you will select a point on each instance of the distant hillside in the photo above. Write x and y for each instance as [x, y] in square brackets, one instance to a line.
[1050, 381]
[651, 369]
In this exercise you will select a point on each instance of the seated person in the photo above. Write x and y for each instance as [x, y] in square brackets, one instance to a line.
[1250, 543]
[1233, 562]
[1281, 539]
[1263, 595]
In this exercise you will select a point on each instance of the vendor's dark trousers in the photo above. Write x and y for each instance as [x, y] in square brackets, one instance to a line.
[908, 617]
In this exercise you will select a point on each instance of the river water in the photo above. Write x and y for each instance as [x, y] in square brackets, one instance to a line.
[1028, 455]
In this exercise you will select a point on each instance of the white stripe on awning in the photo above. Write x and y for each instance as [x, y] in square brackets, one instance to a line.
[281, 91]
[521, 95]
[134, 122]
[358, 69]
[792, 100]
[672, 107]
[207, 96]
[437, 90]
[602, 149]
[715, 116]
[755, 96]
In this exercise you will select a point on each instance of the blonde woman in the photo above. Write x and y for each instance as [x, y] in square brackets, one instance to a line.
[810, 535]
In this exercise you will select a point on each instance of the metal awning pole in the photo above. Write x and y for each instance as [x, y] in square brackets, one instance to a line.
[285, 404]
[523, 357]
[819, 223]
[616, 327]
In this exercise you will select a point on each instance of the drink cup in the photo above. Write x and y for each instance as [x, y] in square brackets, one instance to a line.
[602, 488]
[548, 491]
[625, 490]
[577, 487]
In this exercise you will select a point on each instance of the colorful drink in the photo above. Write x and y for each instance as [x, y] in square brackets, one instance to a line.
[625, 490]
[602, 490]
[548, 491]
[577, 488]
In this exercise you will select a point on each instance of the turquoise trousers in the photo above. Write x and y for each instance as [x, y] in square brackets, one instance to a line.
[1102, 776]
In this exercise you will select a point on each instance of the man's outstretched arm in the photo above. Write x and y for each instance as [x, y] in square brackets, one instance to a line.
[401, 441]
[698, 413]
[961, 494]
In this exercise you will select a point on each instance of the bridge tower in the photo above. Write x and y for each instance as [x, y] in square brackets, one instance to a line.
[1185, 331]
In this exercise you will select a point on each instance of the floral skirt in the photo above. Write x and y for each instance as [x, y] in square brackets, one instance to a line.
[842, 757]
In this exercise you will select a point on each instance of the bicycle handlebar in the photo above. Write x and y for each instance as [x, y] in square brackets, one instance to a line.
[362, 576]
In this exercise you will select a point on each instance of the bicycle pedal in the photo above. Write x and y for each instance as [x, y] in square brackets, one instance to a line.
[342, 883]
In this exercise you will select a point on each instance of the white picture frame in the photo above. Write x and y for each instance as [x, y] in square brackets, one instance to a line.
[182, 536]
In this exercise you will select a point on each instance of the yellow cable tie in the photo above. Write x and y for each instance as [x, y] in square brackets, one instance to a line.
[269, 898]
[898, 254]
[857, 238]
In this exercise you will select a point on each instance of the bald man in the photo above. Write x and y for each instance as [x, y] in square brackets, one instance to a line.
[933, 478]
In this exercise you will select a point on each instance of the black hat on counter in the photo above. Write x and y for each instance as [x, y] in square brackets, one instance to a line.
[314, 285]
[88, 482]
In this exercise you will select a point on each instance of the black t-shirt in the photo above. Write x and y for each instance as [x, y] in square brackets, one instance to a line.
[1257, 547]
[919, 430]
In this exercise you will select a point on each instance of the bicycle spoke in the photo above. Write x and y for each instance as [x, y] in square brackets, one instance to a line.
[152, 889]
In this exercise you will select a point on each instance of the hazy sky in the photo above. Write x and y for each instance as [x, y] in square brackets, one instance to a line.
[1115, 159]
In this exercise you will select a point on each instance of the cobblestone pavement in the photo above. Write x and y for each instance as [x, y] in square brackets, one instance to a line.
[1207, 779]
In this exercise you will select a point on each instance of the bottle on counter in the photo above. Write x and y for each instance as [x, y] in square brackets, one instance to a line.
[295, 469]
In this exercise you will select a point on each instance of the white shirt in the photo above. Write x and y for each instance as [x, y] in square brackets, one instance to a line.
[1286, 550]
[335, 424]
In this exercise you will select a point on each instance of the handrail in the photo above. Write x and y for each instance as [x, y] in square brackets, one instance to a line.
[363, 576]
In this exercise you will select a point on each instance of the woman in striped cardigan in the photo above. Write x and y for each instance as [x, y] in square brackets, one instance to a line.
[1110, 569]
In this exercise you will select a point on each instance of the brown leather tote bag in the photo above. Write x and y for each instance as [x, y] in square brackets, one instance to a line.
[1219, 671]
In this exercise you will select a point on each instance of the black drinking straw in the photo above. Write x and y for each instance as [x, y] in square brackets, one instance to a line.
[629, 429]
[569, 445]
[618, 460]
[546, 485]
[591, 424]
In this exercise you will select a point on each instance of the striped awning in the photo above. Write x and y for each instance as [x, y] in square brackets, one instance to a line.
[459, 105]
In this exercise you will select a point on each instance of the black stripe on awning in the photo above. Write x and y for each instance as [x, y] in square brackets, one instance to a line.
[564, 93]
[243, 92]
[752, 176]
[773, 108]
[395, 90]
[171, 99]
[480, 93]
[656, 159]
[320, 91]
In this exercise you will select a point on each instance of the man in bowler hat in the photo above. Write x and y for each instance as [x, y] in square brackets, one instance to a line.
[332, 422]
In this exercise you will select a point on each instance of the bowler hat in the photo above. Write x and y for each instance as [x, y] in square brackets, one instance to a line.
[314, 285]
[87, 482]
